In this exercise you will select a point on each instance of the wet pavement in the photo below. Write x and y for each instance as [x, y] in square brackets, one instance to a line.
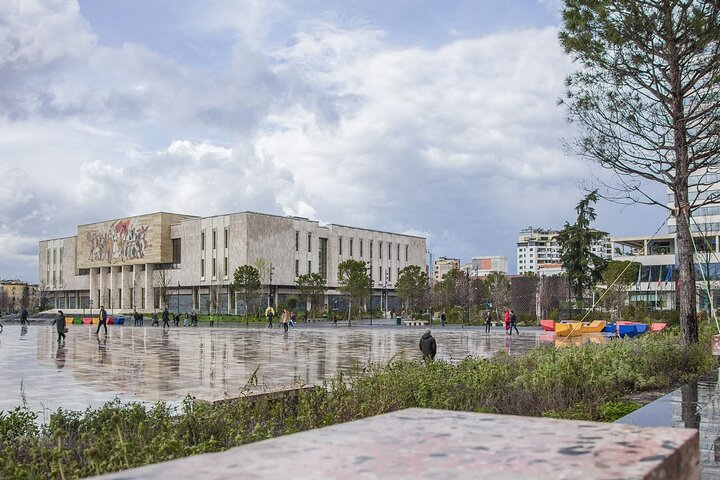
[695, 405]
[150, 364]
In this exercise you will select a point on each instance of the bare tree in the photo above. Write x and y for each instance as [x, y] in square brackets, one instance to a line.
[647, 101]
[498, 288]
[162, 280]
[551, 292]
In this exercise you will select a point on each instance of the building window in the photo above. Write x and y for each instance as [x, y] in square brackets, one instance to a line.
[176, 251]
[202, 240]
[48, 258]
[202, 267]
[142, 267]
[309, 266]
[351, 247]
[389, 251]
[340, 246]
[213, 267]
[61, 255]
[361, 248]
[309, 242]
[371, 249]
[214, 239]
[380, 249]
[380, 273]
[297, 241]
[142, 298]
[225, 266]
[54, 256]
[407, 248]
[297, 268]
[398, 252]
[227, 235]
[389, 275]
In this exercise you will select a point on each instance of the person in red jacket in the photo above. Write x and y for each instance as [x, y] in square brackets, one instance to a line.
[507, 321]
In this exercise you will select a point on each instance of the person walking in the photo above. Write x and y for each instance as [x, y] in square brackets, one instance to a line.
[507, 321]
[23, 317]
[166, 317]
[59, 323]
[513, 322]
[176, 319]
[428, 346]
[155, 322]
[293, 318]
[443, 319]
[334, 324]
[285, 320]
[102, 320]
[488, 321]
[186, 320]
[270, 313]
[193, 316]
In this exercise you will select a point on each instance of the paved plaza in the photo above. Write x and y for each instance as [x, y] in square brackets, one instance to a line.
[150, 364]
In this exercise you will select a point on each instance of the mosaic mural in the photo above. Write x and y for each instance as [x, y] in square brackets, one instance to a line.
[123, 240]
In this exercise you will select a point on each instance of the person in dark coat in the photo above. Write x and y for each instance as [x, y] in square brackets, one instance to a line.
[488, 322]
[513, 323]
[428, 346]
[59, 323]
[23, 317]
[443, 319]
[166, 317]
[102, 321]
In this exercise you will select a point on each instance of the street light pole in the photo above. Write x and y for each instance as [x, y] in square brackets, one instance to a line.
[178, 298]
[372, 283]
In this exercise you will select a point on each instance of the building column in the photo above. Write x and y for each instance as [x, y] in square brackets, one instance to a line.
[101, 288]
[91, 296]
[149, 289]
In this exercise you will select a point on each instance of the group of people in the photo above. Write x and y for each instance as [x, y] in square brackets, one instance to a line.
[287, 318]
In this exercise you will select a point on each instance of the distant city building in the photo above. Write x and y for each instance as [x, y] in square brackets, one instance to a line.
[701, 186]
[14, 294]
[550, 269]
[129, 262]
[655, 285]
[537, 247]
[483, 266]
[443, 265]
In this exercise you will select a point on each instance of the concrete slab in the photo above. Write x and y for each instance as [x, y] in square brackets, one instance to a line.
[438, 444]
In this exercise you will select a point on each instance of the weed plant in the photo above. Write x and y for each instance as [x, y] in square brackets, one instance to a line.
[587, 382]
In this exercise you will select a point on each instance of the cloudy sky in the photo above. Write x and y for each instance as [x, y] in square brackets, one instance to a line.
[420, 116]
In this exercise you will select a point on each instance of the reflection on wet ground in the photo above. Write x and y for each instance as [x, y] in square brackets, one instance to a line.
[695, 405]
[153, 364]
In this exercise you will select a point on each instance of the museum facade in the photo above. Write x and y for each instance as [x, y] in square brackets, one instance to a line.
[135, 262]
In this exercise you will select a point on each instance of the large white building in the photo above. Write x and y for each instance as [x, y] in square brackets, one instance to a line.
[537, 247]
[124, 263]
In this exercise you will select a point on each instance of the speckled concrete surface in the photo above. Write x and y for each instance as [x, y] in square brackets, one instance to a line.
[695, 405]
[152, 364]
[438, 444]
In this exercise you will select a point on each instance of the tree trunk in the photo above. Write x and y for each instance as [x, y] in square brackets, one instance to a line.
[686, 260]
[686, 290]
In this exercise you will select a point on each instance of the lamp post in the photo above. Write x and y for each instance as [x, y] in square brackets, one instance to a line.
[177, 296]
[270, 289]
[372, 283]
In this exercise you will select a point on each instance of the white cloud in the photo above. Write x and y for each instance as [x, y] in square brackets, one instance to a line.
[458, 142]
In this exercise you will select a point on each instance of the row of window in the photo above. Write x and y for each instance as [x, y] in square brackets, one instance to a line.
[699, 227]
[214, 238]
[351, 247]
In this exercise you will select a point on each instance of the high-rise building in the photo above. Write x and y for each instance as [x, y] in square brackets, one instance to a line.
[702, 186]
[537, 246]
